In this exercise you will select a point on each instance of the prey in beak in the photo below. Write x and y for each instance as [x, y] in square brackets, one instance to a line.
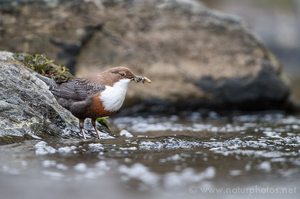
[142, 79]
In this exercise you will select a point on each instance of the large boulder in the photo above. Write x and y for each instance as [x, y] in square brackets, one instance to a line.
[27, 107]
[194, 55]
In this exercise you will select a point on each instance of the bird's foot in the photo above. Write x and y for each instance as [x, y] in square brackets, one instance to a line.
[104, 129]
[98, 133]
[81, 127]
[83, 134]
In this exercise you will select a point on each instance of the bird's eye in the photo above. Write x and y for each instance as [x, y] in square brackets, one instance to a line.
[122, 74]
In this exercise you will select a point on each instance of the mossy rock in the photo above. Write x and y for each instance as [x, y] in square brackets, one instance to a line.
[45, 66]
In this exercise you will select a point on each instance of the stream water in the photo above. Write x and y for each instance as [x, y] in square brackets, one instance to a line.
[192, 155]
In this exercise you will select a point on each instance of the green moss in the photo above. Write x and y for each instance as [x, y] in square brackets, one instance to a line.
[272, 57]
[45, 66]
[103, 121]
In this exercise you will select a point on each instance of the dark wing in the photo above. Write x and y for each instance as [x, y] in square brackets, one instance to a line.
[77, 89]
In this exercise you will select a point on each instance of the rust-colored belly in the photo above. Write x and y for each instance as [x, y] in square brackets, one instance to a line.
[97, 109]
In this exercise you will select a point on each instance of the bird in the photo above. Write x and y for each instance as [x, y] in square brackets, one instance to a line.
[95, 96]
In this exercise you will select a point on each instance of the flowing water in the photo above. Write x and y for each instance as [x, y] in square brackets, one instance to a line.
[193, 155]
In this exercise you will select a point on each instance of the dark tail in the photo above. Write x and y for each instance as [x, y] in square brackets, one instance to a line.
[50, 82]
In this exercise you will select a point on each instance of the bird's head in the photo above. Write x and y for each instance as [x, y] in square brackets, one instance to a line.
[124, 73]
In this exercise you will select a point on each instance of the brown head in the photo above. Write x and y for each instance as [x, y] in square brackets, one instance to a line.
[112, 75]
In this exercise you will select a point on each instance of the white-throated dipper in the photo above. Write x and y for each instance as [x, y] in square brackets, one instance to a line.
[95, 96]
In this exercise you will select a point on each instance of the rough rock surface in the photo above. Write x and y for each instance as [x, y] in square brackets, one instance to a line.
[27, 107]
[194, 55]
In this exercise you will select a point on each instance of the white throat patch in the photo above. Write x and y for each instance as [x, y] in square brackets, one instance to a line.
[113, 96]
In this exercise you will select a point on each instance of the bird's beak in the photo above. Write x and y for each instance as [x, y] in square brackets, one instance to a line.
[138, 78]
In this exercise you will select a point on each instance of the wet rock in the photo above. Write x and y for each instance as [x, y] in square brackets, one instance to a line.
[190, 52]
[27, 108]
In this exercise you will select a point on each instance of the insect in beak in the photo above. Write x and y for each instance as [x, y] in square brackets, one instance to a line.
[141, 79]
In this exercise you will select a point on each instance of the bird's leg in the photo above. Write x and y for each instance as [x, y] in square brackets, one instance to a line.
[81, 126]
[95, 127]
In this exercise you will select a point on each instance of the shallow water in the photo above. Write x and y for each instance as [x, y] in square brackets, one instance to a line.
[190, 155]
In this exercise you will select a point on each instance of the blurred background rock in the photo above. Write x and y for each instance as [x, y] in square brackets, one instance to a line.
[277, 23]
[185, 41]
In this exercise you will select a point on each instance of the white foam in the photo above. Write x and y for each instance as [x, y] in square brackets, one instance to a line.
[139, 172]
[272, 134]
[188, 175]
[125, 133]
[265, 166]
[96, 147]
[81, 167]
[66, 150]
[102, 165]
[42, 148]
[48, 163]
[235, 172]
